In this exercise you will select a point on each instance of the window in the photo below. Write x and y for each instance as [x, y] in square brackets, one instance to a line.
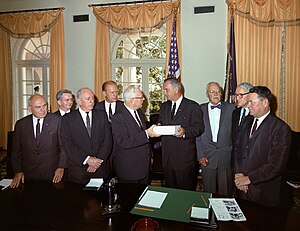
[139, 59]
[32, 72]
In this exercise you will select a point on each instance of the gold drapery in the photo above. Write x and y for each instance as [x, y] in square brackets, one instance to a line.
[27, 25]
[128, 19]
[267, 40]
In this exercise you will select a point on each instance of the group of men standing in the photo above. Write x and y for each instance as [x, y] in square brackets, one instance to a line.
[247, 145]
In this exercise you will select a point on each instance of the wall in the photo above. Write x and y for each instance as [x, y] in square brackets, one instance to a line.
[203, 42]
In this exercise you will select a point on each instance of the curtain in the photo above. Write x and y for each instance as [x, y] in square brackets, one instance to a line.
[268, 50]
[27, 25]
[5, 88]
[57, 61]
[127, 19]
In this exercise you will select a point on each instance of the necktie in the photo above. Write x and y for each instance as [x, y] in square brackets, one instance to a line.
[138, 120]
[173, 110]
[243, 116]
[88, 124]
[109, 113]
[217, 106]
[38, 132]
[254, 127]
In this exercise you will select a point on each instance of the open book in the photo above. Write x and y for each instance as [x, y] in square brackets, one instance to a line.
[227, 209]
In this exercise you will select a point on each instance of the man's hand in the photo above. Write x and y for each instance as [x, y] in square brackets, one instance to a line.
[94, 162]
[242, 182]
[180, 132]
[203, 161]
[151, 133]
[19, 177]
[91, 169]
[58, 174]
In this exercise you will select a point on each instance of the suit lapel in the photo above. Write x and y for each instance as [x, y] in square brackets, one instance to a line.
[206, 120]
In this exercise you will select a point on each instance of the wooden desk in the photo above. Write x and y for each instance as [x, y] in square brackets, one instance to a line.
[43, 207]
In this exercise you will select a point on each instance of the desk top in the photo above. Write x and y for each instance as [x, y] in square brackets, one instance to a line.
[42, 206]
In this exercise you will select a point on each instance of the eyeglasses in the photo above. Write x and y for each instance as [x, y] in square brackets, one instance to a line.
[140, 97]
[214, 92]
[241, 95]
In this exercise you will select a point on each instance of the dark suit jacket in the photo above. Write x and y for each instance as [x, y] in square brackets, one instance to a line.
[263, 158]
[131, 146]
[78, 145]
[181, 152]
[235, 122]
[57, 112]
[38, 162]
[101, 106]
[218, 153]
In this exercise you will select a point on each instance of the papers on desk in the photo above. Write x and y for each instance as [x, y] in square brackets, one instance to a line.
[200, 213]
[227, 209]
[94, 184]
[5, 183]
[152, 199]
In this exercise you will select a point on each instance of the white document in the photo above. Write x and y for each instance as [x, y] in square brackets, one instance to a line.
[95, 183]
[166, 129]
[200, 213]
[227, 209]
[4, 183]
[153, 199]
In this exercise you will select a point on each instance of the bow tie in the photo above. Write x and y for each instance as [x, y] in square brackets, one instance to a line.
[217, 106]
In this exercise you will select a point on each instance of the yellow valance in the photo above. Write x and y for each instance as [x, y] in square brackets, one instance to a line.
[131, 18]
[267, 12]
[29, 24]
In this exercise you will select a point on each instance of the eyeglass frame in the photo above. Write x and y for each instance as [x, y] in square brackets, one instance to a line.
[241, 95]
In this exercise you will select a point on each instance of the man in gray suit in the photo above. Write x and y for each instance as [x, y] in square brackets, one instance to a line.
[215, 144]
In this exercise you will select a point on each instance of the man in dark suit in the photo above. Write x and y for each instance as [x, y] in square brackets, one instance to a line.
[179, 156]
[111, 104]
[131, 139]
[214, 146]
[36, 149]
[241, 110]
[87, 140]
[65, 101]
[261, 152]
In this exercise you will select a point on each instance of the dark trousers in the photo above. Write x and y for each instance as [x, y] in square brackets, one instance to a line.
[181, 179]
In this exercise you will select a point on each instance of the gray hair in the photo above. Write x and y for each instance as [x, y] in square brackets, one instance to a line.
[207, 86]
[129, 92]
[174, 82]
[247, 86]
[79, 92]
[61, 92]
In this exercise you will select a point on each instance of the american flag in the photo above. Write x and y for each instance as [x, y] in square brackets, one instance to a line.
[174, 70]
[230, 81]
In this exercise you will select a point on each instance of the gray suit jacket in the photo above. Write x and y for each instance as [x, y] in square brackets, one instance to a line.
[218, 153]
